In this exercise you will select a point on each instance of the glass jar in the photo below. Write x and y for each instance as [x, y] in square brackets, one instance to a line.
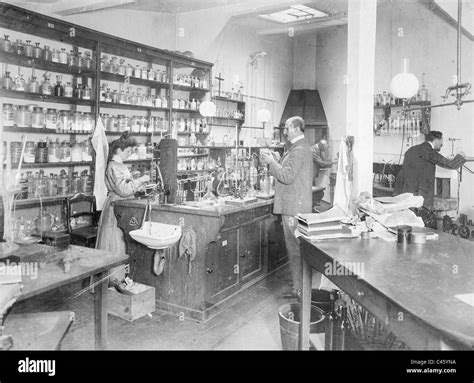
[63, 183]
[47, 54]
[59, 89]
[87, 122]
[63, 56]
[8, 115]
[15, 152]
[122, 98]
[55, 56]
[19, 47]
[52, 185]
[113, 65]
[121, 67]
[6, 45]
[30, 153]
[105, 121]
[23, 117]
[20, 83]
[115, 97]
[7, 82]
[76, 152]
[87, 63]
[86, 182]
[65, 152]
[51, 119]
[108, 95]
[182, 125]
[141, 152]
[151, 74]
[76, 122]
[143, 125]
[41, 154]
[63, 121]
[68, 90]
[164, 102]
[129, 70]
[33, 86]
[53, 151]
[144, 73]
[114, 125]
[37, 118]
[86, 93]
[135, 124]
[137, 72]
[72, 60]
[46, 87]
[28, 49]
[87, 150]
[122, 123]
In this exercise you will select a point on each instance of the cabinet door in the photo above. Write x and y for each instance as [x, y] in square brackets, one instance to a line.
[250, 249]
[221, 264]
[276, 245]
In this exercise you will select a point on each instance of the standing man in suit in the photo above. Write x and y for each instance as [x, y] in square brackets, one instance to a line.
[293, 189]
[417, 175]
[319, 157]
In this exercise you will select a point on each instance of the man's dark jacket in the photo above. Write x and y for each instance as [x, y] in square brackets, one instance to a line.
[417, 175]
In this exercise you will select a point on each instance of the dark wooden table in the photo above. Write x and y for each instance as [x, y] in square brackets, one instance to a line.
[411, 289]
[85, 263]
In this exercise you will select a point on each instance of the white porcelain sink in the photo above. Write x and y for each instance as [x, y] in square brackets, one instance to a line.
[160, 236]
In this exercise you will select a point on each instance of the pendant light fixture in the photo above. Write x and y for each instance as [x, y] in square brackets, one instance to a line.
[404, 85]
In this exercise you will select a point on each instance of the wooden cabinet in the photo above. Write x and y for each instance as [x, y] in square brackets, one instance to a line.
[276, 245]
[250, 250]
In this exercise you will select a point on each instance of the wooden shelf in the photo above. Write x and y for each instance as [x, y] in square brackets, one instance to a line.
[44, 98]
[107, 133]
[189, 88]
[131, 107]
[206, 147]
[186, 111]
[137, 161]
[229, 118]
[15, 129]
[106, 76]
[23, 203]
[47, 66]
[193, 155]
[222, 98]
[195, 171]
[418, 103]
[189, 133]
[53, 165]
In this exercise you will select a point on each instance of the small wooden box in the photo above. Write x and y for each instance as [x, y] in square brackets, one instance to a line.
[131, 307]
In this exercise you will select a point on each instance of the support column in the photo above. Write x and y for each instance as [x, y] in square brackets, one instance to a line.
[362, 15]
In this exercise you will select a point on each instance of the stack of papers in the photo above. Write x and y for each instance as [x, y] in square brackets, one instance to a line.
[327, 225]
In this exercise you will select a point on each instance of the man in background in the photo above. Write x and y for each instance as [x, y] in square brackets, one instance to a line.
[319, 152]
[293, 189]
[417, 175]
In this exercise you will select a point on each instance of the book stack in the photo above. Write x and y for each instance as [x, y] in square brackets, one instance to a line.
[327, 225]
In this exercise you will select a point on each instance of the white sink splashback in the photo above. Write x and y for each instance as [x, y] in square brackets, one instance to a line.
[159, 236]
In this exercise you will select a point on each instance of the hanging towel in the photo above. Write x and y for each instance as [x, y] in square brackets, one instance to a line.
[187, 245]
[342, 190]
[101, 147]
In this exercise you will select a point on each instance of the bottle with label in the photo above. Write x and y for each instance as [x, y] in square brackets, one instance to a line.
[30, 153]
[23, 116]
[137, 73]
[68, 90]
[8, 115]
[59, 89]
[47, 54]
[37, 118]
[46, 87]
[6, 45]
[63, 56]
[7, 82]
[53, 151]
[20, 83]
[19, 47]
[33, 86]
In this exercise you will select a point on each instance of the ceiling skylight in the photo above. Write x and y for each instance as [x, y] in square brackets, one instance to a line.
[294, 13]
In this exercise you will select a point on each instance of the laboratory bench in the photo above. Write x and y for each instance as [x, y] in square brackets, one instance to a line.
[236, 247]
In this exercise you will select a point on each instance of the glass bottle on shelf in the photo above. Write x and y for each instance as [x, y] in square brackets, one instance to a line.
[114, 67]
[7, 82]
[114, 124]
[137, 73]
[28, 49]
[6, 45]
[134, 99]
[76, 152]
[20, 83]
[37, 51]
[135, 128]
[164, 102]
[203, 83]
[58, 89]
[115, 97]
[121, 67]
[47, 54]
[51, 119]
[86, 182]
[52, 185]
[41, 153]
[151, 74]
[68, 90]
[72, 60]
[182, 125]
[63, 56]
[87, 60]
[53, 151]
[87, 150]
[33, 86]
[193, 104]
[8, 115]
[37, 118]
[108, 95]
[75, 181]
[23, 116]
[129, 70]
[77, 90]
[144, 73]
[157, 102]
[19, 47]
[46, 87]
[122, 98]
[139, 97]
[143, 125]
[80, 60]
[102, 64]
[55, 56]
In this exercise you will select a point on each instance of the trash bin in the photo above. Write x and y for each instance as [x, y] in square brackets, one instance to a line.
[321, 299]
[289, 316]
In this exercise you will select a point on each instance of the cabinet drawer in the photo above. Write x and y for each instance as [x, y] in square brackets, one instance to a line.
[263, 210]
[237, 219]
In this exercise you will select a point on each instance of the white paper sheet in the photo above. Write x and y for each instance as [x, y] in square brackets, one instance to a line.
[466, 298]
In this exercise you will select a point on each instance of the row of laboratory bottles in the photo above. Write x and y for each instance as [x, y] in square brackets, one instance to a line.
[24, 228]
[118, 66]
[39, 185]
[399, 124]
[388, 99]
[120, 96]
[74, 59]
[34, 116]
[191, 81]
[189, 164]
[68, 90]
[49, 151]
[135, 124]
